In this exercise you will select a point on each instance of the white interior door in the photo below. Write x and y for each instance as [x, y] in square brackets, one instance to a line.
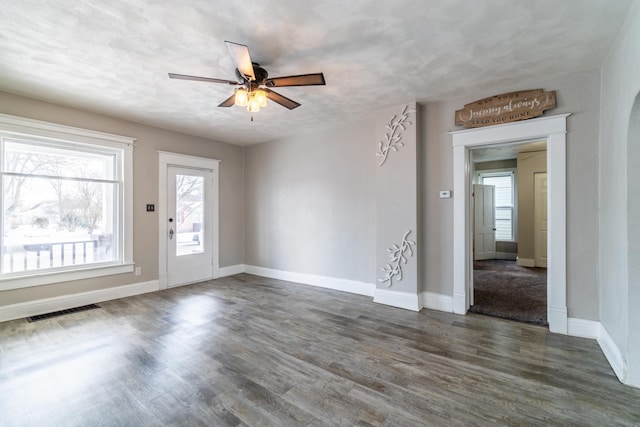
[484, 207]
[189, 238]
[540, 219]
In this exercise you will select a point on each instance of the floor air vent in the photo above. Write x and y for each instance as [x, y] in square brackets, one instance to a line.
[62, 312]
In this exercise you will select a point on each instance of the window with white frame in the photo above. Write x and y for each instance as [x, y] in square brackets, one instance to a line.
[65, 203]
[504, 184]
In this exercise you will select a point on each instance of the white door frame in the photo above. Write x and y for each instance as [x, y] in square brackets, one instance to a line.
[552, 129]
[539, 259]
[167, 159]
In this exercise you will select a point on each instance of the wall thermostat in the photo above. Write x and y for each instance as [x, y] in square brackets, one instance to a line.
[445, 194]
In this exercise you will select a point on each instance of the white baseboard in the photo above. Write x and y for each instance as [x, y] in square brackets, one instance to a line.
[583, 328]
[506, 255]
[595, 330]
[612, 353]
[345, 285]
[459, 303]
[526, 262]
[163, 280]
[438, 302]
[557, 318]
[404, 300]
[396, 299]
[231, 270]
[48, 305]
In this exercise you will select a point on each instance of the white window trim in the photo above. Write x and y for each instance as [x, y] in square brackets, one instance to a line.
[23, 127]
[500, 172]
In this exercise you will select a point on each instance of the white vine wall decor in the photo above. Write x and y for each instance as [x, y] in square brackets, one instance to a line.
[393, 138]
[397, 257]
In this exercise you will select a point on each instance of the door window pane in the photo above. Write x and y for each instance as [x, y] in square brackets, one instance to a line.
[189, 214]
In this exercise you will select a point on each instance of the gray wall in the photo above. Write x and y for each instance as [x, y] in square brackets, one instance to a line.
[437, 213]
[295, 186]
[619, 190]
[496, 165]
[633, 191]
[528, 165]
[578, 94]
[145, 176]
[310, 203]
[397, 200]
[319, 203]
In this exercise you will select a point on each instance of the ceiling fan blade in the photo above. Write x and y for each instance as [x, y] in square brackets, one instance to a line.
[201, 79]
[282, 100]
[299, 80]
[240, 55]
[230, 101]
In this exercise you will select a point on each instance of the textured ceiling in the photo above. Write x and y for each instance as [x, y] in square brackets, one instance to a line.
[112, 57]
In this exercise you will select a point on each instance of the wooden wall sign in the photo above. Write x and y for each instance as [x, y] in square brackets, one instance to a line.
[506, 108]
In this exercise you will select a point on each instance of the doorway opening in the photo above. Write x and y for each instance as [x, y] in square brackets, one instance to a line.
[552, 129]
[509, 238]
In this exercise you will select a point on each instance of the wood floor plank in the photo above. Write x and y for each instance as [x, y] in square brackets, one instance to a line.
[251, 351]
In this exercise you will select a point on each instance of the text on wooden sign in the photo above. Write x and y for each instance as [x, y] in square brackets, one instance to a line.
[506, 108]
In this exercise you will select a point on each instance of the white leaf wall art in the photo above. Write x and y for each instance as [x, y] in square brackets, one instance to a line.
[393, 138]
[397, 257]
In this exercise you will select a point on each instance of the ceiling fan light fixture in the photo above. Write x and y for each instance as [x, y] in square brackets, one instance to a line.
[254, 105]
[242, 97]
[261, 97]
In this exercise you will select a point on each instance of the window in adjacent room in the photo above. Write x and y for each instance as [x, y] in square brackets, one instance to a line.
[504, 184]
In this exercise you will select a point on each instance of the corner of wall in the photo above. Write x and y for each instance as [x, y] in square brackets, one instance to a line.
[244, 204]
[398, 246]
[619, 85]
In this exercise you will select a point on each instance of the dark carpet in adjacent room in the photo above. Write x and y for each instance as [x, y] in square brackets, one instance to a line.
[504, 289]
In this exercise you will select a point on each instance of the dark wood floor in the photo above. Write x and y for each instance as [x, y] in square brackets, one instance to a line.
[246, 350]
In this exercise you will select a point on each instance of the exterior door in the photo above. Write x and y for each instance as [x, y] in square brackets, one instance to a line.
[540, 219]
[190, 222]
[484, 242]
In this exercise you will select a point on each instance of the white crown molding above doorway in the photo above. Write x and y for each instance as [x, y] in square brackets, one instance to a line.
[552, 129]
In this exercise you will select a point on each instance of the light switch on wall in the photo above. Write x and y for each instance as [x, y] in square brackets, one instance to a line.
[445, 194]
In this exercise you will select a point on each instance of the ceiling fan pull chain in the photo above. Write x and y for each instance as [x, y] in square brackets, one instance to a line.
[252, 117]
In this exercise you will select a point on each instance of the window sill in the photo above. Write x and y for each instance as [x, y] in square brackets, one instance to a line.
[38, 279]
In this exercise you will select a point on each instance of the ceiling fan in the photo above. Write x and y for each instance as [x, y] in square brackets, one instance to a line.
[254, 82]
